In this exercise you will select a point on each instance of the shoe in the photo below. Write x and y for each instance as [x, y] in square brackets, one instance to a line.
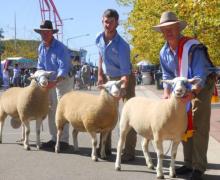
[48, 145]
[127, 157]
[183, 170]
[196, 175]
[64, 146]
[108, 152]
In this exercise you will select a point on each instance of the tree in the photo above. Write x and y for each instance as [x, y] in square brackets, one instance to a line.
[202, 17]
[1, 46]
[25, 48]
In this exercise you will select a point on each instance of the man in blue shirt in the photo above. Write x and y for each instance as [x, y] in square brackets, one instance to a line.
[114, 64]
[182, 56]
[54, 56]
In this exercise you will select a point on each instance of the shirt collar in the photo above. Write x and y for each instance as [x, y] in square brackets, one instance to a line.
[168, 50]
[52, 44]
[115, 38]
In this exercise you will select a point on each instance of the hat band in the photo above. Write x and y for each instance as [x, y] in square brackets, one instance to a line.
[169, 21]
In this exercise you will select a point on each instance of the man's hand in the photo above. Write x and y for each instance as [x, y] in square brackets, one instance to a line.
[188, 97]
[100, 80]
[166, 94]
[59, 79]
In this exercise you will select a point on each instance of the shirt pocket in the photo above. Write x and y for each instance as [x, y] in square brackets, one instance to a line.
[54, 60]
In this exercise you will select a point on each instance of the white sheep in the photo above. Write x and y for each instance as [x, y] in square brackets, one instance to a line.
[89, 113]
[25, 104]
[157, 119]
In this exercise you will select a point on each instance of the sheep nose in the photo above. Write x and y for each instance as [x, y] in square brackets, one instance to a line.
[179, 90]
[44, 83]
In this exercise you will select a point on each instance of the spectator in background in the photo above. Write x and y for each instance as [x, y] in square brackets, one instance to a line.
[25, 79]
[6, 78]
[16, 76]
[86, 75]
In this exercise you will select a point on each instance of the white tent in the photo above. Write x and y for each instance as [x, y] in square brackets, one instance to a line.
[143, 63]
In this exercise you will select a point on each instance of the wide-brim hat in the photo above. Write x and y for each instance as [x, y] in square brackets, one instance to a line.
[169, 18]
[46, 26]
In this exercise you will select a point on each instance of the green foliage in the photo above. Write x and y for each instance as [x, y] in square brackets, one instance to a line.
[20, 48]
[1, 33]
[202, 16]
[125, 2]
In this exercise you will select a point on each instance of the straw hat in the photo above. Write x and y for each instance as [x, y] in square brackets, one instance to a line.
[46, 26]
[169, 18]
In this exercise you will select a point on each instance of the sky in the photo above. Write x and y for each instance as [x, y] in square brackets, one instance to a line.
[80, 32]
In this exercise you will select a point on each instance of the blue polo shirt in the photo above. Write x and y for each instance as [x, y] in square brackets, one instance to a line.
[197, 68]
[55, 58]
[115, 56]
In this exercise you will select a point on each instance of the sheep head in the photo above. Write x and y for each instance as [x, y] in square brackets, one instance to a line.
[113, 87]
[42, 77]
[180, 85]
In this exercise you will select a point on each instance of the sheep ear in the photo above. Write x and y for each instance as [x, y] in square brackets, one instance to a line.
[49, 73]
[167, 81]
[195, 80]
[120, 82]
[31, 77]
[101, 86]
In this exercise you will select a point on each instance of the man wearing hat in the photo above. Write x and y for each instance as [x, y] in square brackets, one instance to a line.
[187, 57]
[54, 56]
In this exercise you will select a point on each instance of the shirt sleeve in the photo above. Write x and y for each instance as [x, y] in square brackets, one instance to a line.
[124, 59]
[64, 63]
[40, 63]
[166, 73]
[199, 66]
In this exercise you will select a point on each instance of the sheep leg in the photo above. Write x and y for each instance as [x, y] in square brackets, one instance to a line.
[1, 129]
[27, 133]
[2, 120]
[159, 149]
[172, 173]
[103, 143]
[57, 147]
[123, 133]
[94, 144]
[38, 124]
[75, 140]
[148, 159]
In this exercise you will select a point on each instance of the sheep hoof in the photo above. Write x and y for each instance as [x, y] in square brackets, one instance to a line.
[151, 166]
[57, 150]
[118, 168]
[94, 158]
[27, 148]
[38, 147]
[160, 177]
[172, 175]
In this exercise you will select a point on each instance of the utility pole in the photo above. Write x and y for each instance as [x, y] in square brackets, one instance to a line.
[15, 28]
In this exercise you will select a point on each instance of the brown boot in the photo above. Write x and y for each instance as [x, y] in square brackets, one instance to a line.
[127, 157]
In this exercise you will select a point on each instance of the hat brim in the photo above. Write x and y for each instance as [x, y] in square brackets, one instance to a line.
[182, 24]
[40, 30]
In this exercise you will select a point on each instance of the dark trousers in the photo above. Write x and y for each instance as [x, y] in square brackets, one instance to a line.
[131, 138]
[195, 149]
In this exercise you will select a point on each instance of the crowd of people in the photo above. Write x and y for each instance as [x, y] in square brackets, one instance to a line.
[16, 76]
[85, 76]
